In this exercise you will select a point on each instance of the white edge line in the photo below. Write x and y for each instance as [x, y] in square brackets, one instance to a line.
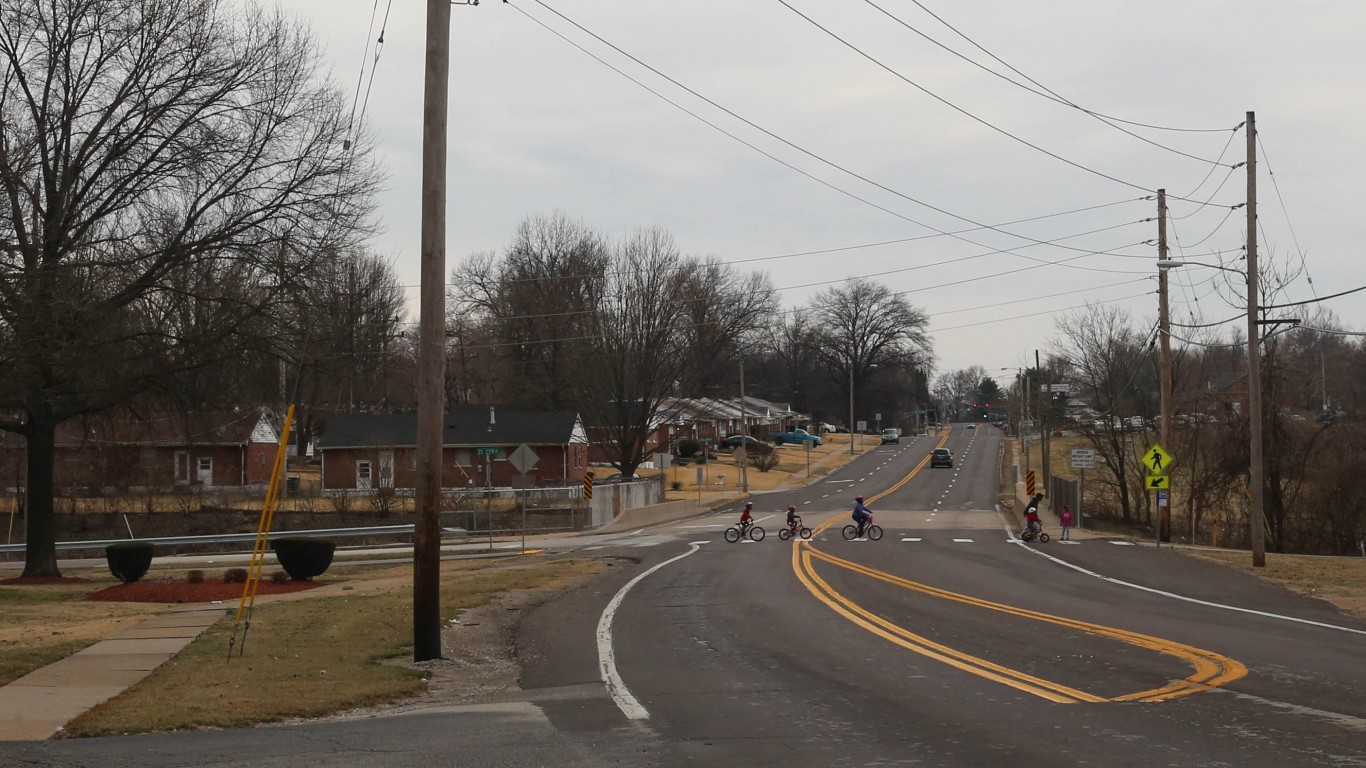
[1183, 598]
[607, 661]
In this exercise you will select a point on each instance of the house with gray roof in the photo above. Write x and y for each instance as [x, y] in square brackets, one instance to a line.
[365, 451]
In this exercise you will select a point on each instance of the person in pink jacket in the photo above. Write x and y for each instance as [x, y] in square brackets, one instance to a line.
[1065, 519]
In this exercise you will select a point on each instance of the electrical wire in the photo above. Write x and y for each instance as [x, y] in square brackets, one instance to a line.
[1044, 312]
[961, 110]
[764, 131]
[1043, 91]
[1286, 213]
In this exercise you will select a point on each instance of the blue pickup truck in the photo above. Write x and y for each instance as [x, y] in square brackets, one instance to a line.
[796, 436]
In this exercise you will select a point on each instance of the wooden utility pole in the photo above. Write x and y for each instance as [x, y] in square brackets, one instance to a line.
[1254, 357]
[431, 339]
[1164, 338]
[1044, 463]
[744, 432]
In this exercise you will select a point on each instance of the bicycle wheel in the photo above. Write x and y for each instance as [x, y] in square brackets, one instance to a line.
[874, 532]
[850, 531]
[756, 533]
[784, 534]
[1043, 538]
[806, 533]
[732, 534]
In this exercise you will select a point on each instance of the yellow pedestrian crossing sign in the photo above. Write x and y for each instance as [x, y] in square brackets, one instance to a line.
[1157, 461]
[1158, 482]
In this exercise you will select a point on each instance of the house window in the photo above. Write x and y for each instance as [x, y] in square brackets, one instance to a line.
[463, 457]
[205, 464]
[262, 454]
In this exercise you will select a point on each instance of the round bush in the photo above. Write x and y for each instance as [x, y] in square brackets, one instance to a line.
[129, 560]
[303, 558]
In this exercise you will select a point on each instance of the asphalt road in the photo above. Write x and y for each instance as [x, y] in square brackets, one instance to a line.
[947, 643]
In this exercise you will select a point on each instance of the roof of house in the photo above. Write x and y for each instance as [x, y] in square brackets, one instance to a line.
[198, 429]
[465, 425]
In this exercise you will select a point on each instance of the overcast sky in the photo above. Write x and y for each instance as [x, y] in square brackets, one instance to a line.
[886, 136]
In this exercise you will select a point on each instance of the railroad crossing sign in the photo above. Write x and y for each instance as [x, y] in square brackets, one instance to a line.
[1157, 461]
[1083, 458]
[1158, 483]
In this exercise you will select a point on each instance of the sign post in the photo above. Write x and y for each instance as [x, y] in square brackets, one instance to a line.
[1082, 460]
[1158, 461]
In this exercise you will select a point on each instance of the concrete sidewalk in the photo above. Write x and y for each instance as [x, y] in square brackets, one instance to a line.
[41, 703]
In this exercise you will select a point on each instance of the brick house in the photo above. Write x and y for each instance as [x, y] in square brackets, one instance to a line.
[201, 450]
[364, 451]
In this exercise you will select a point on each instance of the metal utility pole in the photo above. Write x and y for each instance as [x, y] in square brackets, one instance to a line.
[1164, 338]
[851, 405]
[744, 432]
[431, 339]
[1254, 356]
[1044, 458]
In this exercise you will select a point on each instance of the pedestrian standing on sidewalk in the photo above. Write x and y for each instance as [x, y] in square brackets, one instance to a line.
[1065, 519]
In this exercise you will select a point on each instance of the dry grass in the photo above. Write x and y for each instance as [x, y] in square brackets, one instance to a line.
[791, 469]
[41, 623]
[312, 657]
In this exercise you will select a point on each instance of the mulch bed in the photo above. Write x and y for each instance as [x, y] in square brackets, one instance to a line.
[206, 591]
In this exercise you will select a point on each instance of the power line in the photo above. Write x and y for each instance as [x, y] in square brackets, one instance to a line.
[1043, 91]
[959, 109]
[766, 132]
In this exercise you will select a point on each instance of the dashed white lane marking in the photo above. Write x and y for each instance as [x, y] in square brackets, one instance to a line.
[607, 660]
[962, 541]
[1066, 541]
[911, 539]
[600, 546]
[699, 542]
[1122, 543]
[806, 502]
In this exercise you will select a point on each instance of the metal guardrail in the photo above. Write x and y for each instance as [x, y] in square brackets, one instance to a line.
[230, 538]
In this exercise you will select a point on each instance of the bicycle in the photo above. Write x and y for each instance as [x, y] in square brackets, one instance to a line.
[796, 529]
[1030, 534]
[871, 531]
[737, 532]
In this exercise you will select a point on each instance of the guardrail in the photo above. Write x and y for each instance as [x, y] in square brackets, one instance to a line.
[232, 538]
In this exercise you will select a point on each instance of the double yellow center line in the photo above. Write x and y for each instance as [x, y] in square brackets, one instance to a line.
[1209, 669]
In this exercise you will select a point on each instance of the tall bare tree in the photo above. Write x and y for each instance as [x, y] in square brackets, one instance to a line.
[862, 326]
[633, 348]
[537, 296]
[154, 157]
[725, 310]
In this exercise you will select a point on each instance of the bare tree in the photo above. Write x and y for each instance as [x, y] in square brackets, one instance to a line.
[633, 347]
[1105, 352]
[724, 309]
[862, 326]
[537, 297]
[154, 157]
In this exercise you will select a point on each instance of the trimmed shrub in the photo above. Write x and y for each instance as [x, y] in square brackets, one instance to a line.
[279, 577]
[194, 577]
[129, 560]
[764, 461]
[303, 558]
[676, 486]
[689, 448]
[235, 576]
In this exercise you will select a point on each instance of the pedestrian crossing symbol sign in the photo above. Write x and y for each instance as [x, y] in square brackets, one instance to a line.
[1157, 461]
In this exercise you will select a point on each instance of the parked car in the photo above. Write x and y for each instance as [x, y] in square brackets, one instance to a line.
[890, 436]
[971, 425]
[752, 444]
[941, 457]
[798, 436]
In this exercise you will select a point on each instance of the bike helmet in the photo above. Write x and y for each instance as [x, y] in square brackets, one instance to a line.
[858, 498]
[792, 507]
[749, 504]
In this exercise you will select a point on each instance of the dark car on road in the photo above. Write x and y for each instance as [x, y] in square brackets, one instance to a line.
[890, 436]
[941, 457]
